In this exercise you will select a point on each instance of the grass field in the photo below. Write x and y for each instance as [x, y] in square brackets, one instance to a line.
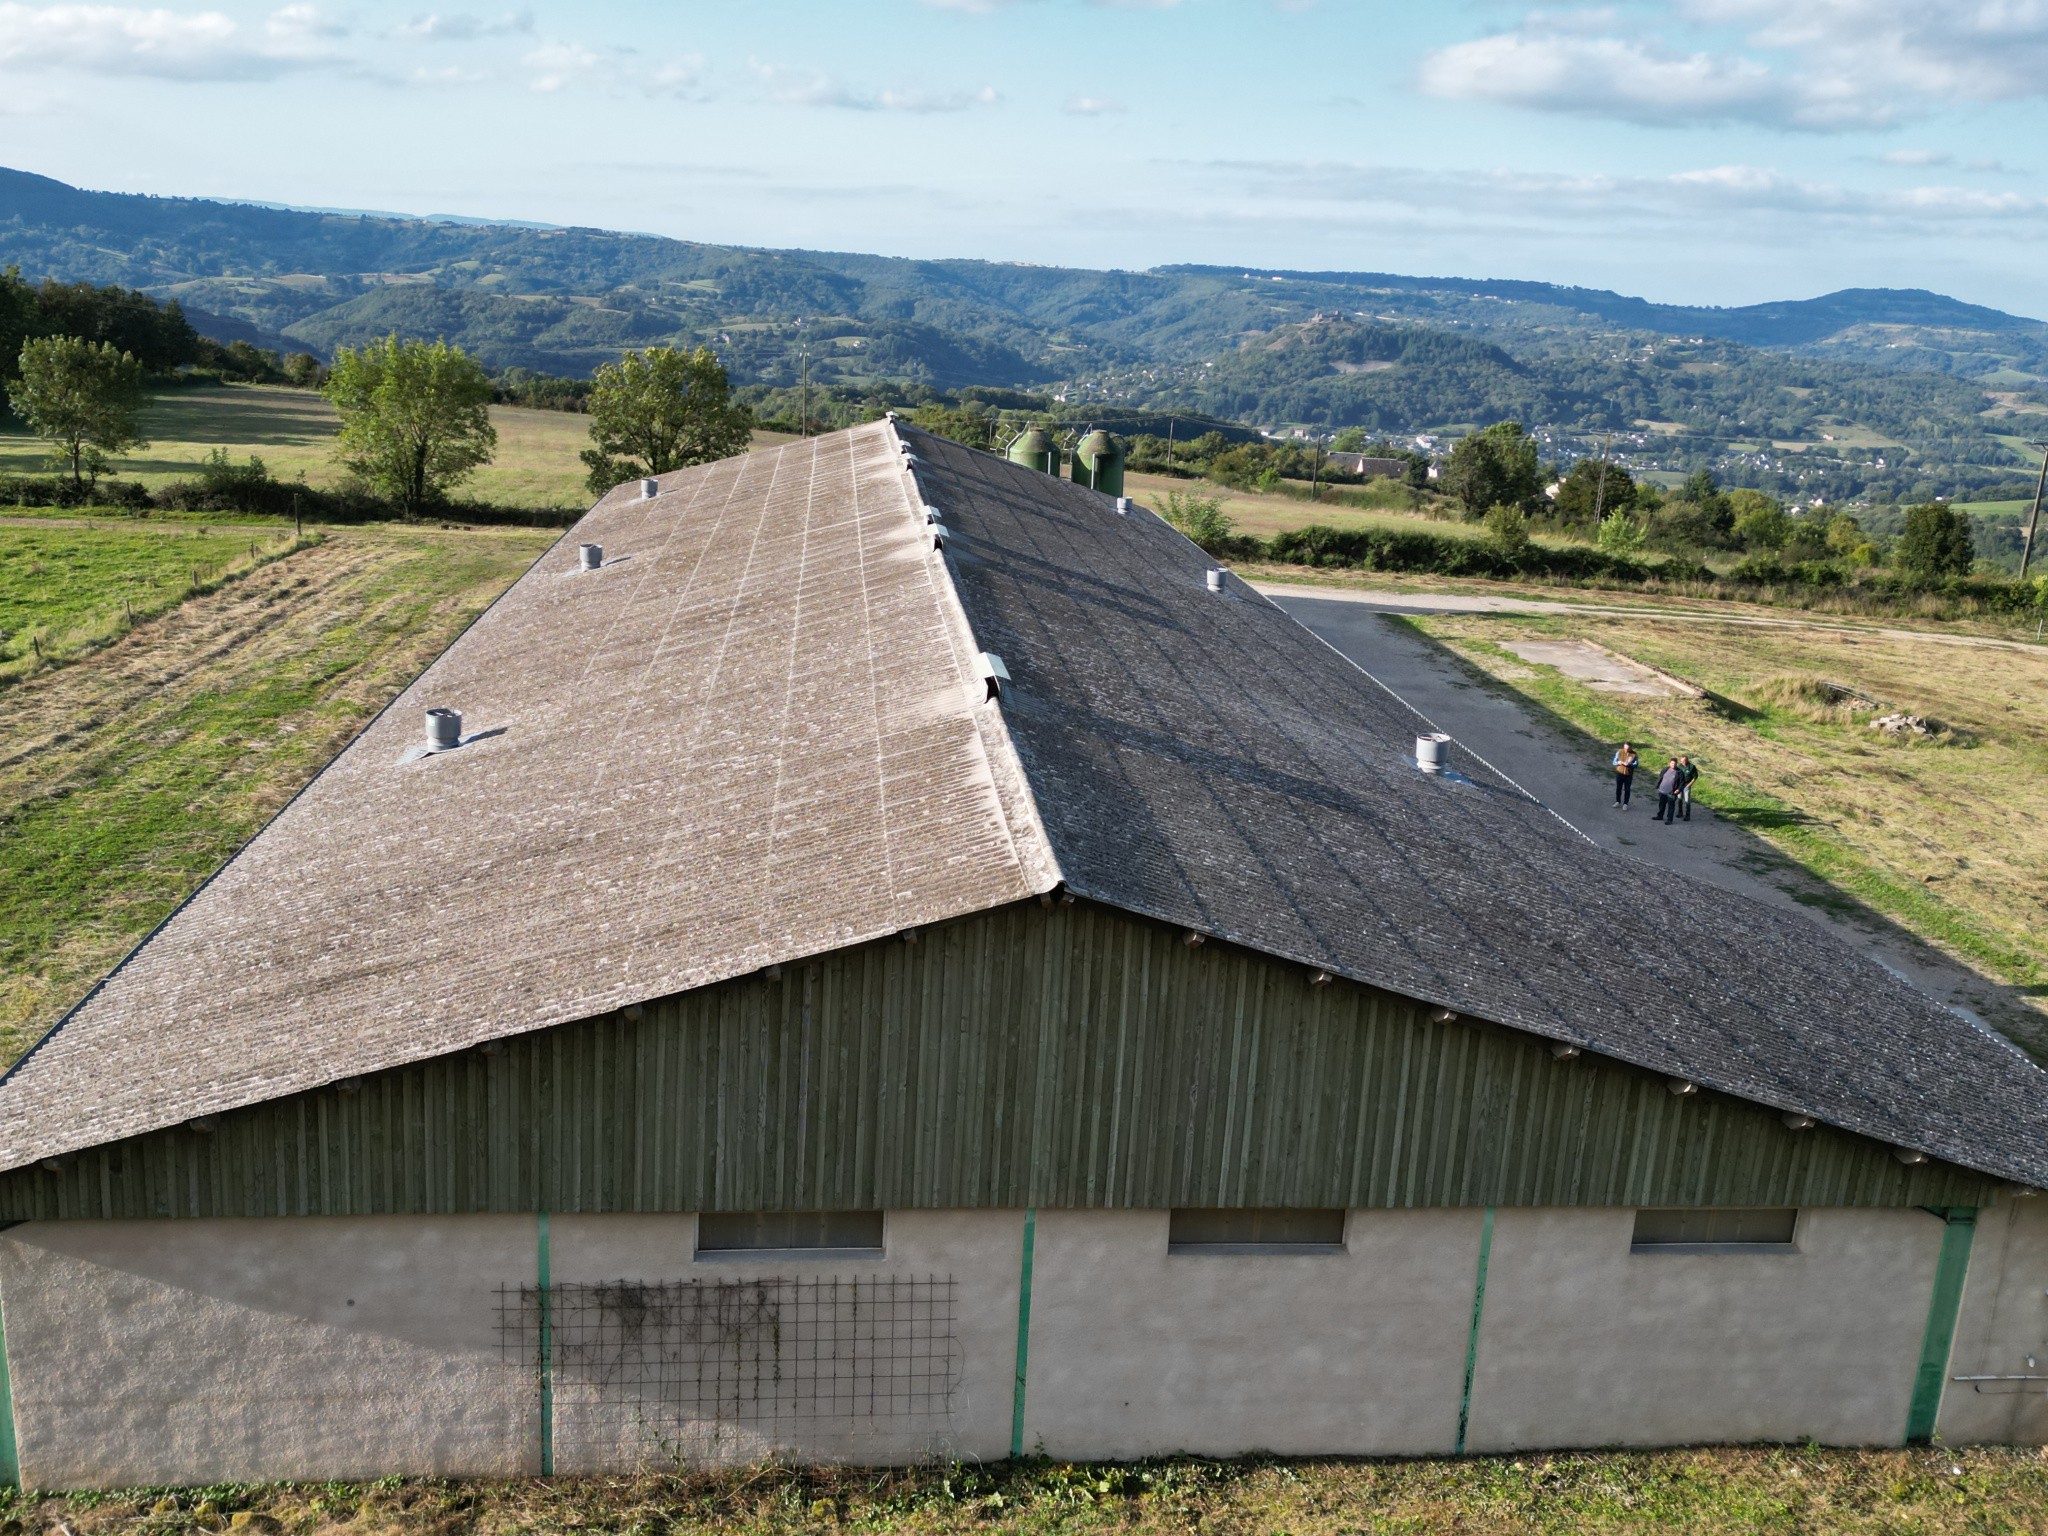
[1265, 514]
[292, 431]
[1982, 1492]
[65, 589]
[128, 777]
[1942, 834]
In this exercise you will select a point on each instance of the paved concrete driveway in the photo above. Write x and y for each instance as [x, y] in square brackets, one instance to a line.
[1569, 772]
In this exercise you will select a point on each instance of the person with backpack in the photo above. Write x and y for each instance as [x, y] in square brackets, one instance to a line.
[1624, 775]
[1688, 772]
[1668, 783]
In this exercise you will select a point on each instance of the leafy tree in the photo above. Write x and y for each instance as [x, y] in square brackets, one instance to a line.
[1201, 518]
[1583, 491]
[159, 335]
[303, 369]
[415, 418]
[1350, 440]
[1498, 464]
[83, 397]
[1507, 528]
[1620, 534]
[20, 318]
[1760, 522]
[658, 410]
[1937, 542]
[1845, 534]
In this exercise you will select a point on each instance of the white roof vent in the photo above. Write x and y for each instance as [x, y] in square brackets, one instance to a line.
[590, 556]
[1123, 506]
[931, 514]
[988, 666]
[1432, 752]
[649, 489]
[1215, 579]
[938, 536]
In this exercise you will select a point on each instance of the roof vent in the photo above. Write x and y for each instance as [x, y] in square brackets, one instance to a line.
[938, 536]
[444, 729]
[1564, 1050]
[932, 514]
[1433, 752]
[1912, 1157]
[591, 555]
[1123, 506]
[1794, 1121]
[649, 489]
[1215, 579]
[988, 666]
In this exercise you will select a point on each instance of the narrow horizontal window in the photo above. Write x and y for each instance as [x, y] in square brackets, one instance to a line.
[777, 1231]
[1255, 1231]
[1723, 1229]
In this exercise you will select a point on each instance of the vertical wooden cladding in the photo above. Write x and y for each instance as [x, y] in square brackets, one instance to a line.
[1063, 1056]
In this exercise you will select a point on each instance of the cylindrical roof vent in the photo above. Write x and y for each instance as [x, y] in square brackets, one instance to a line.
[1099, 463]
[649, 489]
[1035, 449]
[1123, 506]
[1433, 752]
[591, 555]
[1215, 579]
[444, 729]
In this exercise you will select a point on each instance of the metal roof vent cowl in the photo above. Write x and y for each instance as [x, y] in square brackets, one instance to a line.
[444, 729]
[932, 514]
[649, 489]
[988, 666]
[1433, 752]
[591, 556]
[1215, 579]
[1123, 506]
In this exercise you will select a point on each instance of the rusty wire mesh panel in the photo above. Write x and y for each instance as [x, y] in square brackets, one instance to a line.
[664, 1366]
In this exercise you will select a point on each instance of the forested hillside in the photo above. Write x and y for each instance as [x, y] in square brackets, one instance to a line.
[1882, 392]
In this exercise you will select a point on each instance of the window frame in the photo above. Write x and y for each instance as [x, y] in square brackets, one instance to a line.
[1722, 1247]
[1260, 1249]
[817, 1252]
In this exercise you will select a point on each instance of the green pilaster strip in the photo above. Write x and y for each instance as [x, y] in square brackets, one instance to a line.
[1950, 1270]
[10, 1456]
[547, 1357]
[1472, 1339]
[1023, 1335]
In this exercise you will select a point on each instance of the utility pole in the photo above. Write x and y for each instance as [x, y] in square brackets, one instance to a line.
[803, 423]
[2034, 519]
[1600, 485]
[1315, 479]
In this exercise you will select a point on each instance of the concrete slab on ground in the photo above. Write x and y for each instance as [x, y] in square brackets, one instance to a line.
[1600, 669]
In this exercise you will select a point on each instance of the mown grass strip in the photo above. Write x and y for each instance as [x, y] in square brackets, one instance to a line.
[1982, 1491]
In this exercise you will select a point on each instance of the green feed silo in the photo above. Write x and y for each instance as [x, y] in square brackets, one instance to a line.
[1099, 463]
[1035, 449]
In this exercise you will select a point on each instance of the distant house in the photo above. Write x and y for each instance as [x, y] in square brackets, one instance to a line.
[1366, 465]
[904, 958]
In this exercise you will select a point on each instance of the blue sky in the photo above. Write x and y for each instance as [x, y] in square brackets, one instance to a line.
[1717, 151]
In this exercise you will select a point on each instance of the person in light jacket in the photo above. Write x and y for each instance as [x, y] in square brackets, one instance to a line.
[1668, 784]
[1625, 762]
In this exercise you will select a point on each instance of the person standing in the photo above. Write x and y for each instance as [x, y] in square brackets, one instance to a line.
[1688, 771]
[1667, 792]
[1624, 775]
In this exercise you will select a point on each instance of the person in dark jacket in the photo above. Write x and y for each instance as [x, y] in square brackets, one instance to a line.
[1624, 774]
[1688, 771]
[1668, 783]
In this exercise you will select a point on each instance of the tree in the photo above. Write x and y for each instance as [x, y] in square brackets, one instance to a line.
[1937, 542]
[20, 318]
[1507, 529]
[1582, 500]
[1620, 534]
[84, 398]
[1498, 464]
[658, 410]
[1760, 523]
[1200, 517]
[415, 419]
[303, 370]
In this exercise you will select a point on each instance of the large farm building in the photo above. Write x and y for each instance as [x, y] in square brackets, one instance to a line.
[902, 960]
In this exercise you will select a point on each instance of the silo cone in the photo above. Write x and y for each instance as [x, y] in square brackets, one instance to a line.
[1035, 449]
[1099, 464]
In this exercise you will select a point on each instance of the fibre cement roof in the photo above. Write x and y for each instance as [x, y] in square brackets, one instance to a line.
[758, 733]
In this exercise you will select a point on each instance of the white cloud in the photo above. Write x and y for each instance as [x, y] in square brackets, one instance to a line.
[165, 44]
[1915, 157]
[556, 65]
[1094, 106]
[814, 88]
[1820, 65]
[463, 27]
[682, 76]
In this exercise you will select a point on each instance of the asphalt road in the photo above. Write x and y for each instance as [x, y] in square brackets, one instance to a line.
[1569, 773]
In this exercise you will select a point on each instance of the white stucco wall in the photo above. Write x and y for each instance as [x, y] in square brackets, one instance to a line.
[2004, 1321]
[1138, 1352]
[1587, 1344]
[195, 1351]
